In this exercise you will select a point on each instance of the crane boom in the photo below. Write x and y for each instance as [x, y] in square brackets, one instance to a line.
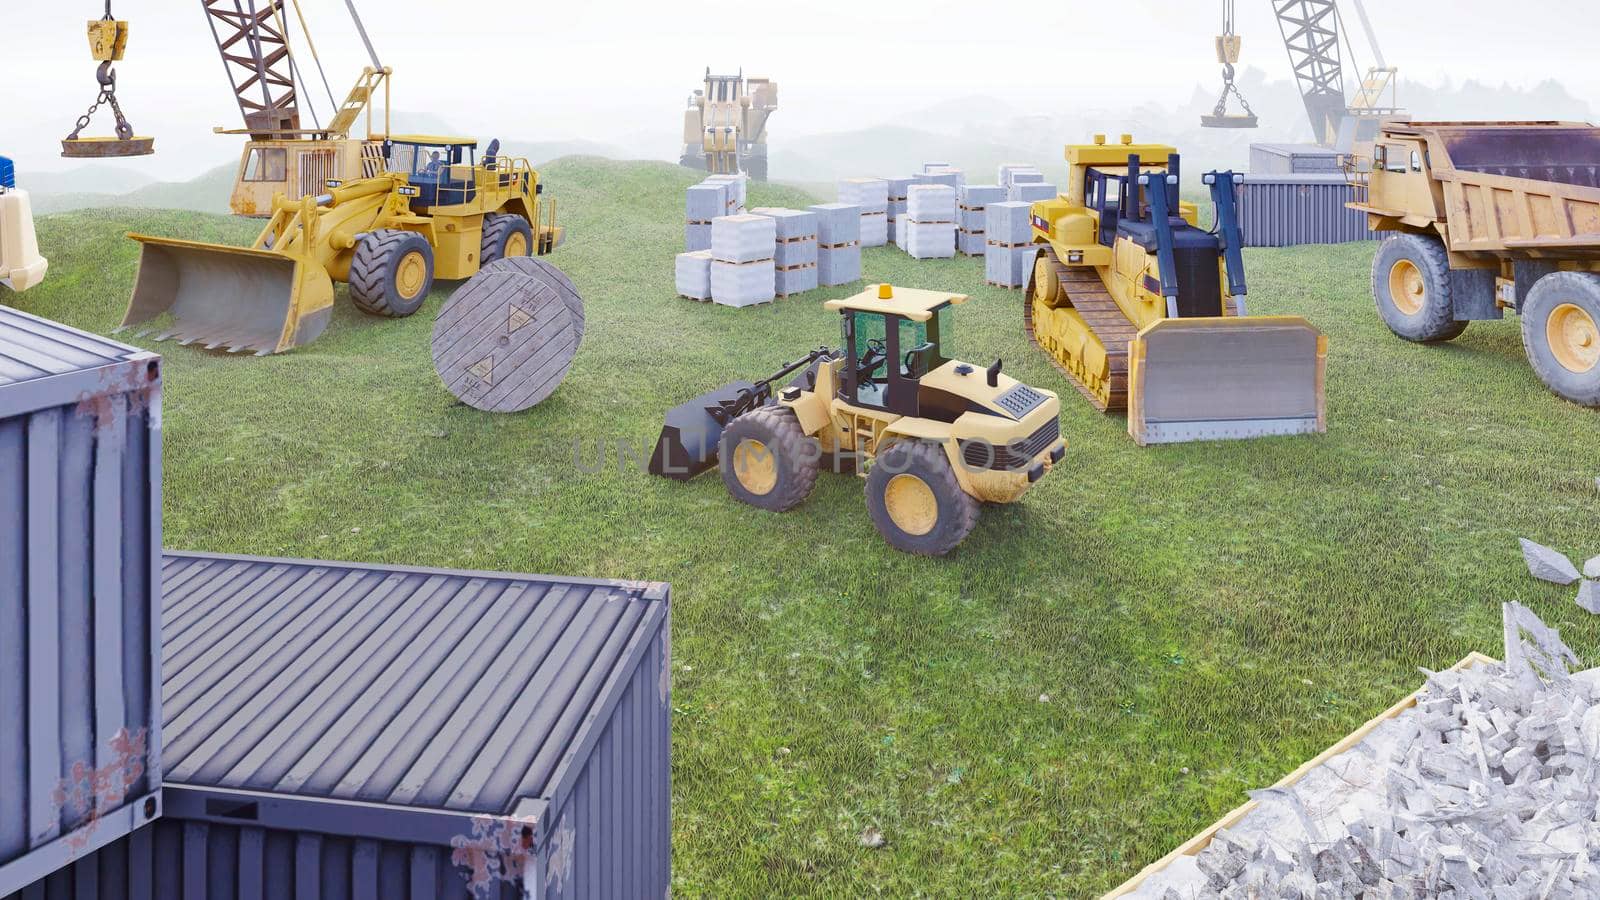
[1310, 31]
[255, 55]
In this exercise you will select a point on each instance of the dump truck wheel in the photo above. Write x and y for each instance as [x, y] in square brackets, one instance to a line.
[1561, 333]
[1411, 284]
[506, 236]
[391, 273]
[767, 460]
[915, 501]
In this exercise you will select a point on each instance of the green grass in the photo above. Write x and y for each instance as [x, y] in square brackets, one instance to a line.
[1227, 609]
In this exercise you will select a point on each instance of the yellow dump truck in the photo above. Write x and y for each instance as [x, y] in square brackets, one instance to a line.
[1491, 216]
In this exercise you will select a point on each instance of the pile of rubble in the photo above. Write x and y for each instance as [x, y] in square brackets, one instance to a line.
[1487, 788]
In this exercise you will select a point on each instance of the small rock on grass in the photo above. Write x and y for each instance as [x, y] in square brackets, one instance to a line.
[1592, 568]
[1549, 565]
[872, 838]
[1589, 596]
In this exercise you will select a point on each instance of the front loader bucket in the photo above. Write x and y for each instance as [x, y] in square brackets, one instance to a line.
[228, 297]
[693, 432]
[1226, 378]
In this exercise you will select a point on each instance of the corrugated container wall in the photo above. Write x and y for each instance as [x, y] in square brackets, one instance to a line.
[1290, 210]
[338, 731]
[80, 538]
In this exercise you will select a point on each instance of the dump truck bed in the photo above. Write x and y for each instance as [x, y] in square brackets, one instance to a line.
[1510, 189]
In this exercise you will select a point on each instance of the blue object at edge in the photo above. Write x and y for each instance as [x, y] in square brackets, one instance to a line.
[8, 173]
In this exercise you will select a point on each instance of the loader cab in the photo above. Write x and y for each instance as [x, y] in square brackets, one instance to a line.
[1102, 192]
[443, 170]
[890, 343]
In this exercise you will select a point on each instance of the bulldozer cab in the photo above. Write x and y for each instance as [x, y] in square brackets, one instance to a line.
[442, 170]
[890, 343]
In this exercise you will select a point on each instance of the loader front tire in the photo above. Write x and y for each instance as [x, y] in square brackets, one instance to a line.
[1561, 334]
[506, 236]
[1411, 284]
[391, 273]
[915, 501]
[767, 461]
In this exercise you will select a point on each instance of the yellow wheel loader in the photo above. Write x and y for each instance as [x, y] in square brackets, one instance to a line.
[21, 266]
[933, 437]
[1145, 311]
[437, 212]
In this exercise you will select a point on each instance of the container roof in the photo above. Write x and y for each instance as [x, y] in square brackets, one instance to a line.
[913, 303]
[400, 686]
[32, 348]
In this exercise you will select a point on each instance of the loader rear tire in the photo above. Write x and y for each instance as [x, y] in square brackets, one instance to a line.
[915, 501]
[506, 236]
[767, 461]
[1411, 284]
[1561, 334]
[391, 273]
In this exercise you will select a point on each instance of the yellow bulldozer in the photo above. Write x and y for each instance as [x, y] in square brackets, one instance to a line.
[437, 212]
[1145, 311]
[934, 438]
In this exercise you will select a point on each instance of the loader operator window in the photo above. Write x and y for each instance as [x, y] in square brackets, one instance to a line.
[267, 164]
[868, 338]
[918, 351]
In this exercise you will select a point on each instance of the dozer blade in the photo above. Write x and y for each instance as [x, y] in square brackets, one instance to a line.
[690, 439]
[228, 298]
[1226, 378]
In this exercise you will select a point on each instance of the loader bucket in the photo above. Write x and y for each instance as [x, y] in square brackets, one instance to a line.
[232, 298]
[21, 266]
[1226, 378]
[693, 432]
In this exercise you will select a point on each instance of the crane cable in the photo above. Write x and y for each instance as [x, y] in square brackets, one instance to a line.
[294, 67]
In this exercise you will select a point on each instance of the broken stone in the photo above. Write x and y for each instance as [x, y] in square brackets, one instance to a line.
[1592, 568]
[1589, 596]
[1549, 565]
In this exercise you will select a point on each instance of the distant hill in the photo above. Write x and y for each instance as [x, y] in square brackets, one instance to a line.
[887, 150]
[90, 179]
[207, 193]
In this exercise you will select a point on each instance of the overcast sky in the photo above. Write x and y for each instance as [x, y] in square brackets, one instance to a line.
[619, 70]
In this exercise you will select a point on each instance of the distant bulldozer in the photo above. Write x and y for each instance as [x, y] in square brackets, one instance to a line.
[725, 125]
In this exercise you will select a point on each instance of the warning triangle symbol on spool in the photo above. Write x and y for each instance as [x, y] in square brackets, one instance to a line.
[517, 319]
[484, 369]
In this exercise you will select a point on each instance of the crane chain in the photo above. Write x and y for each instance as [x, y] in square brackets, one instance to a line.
[107, 77]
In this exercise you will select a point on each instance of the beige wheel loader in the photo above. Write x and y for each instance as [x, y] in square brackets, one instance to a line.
[21, 266]
[933, 438]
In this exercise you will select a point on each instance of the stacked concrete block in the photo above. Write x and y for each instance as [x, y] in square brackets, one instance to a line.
[1031, 191]
[738, 191]
[972, 222]
[1012, 174]
[950, 178]
[743, 267]
[898, 187]
[1008, 246]
[838, 243]
[693, 275]
[703, 202]
[796, 252]
[872, 196]
[1484, 787]
[930, 222]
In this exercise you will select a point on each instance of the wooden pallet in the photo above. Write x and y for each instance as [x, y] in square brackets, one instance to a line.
[1202, 840]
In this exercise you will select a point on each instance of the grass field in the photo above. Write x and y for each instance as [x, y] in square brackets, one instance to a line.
[1098, 673]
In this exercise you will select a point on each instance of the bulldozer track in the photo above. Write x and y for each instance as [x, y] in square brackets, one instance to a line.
[1105, 320]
